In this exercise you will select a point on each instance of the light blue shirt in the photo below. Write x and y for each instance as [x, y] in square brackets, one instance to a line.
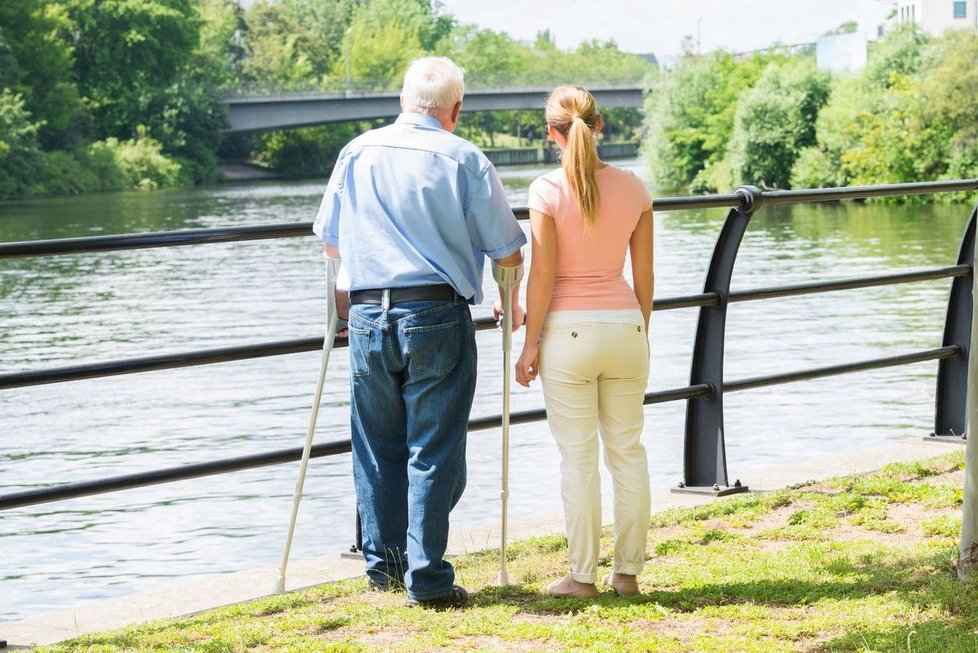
[411, 204]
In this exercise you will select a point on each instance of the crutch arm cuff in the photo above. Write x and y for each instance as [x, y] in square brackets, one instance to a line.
[507, 276]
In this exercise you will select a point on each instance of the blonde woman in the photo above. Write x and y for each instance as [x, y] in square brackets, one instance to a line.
[587, 338]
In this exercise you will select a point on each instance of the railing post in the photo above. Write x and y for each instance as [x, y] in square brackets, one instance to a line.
[950, 417]
[704, 457]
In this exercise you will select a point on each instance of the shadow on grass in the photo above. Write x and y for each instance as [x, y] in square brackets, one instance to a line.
[922, 582]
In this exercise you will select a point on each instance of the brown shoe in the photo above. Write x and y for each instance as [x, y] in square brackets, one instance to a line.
[568, 588]
[623, 584]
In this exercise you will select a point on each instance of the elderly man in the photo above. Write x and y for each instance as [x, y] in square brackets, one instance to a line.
[413, 210]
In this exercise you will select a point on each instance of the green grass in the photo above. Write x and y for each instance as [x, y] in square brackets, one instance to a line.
[856, 563]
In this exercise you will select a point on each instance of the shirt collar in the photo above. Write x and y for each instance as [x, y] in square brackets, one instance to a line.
[419, 119]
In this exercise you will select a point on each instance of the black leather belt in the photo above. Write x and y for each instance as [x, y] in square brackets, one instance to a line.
[441, 291]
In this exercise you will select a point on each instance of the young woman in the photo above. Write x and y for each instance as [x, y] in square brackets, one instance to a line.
[587, 338]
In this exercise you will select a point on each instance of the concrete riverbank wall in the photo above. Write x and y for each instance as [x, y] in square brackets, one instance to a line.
[519, 156]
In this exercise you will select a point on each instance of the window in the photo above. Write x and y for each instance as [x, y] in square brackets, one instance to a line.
[960, 10]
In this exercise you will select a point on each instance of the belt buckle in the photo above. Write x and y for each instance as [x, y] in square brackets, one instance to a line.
[385, 299]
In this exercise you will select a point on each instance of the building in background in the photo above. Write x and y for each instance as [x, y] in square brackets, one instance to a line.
[936, 16]
[841, 52]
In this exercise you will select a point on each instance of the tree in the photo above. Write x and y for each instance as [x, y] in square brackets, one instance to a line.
[690, 114]
[324, 24]
[20, 155]
[951, 89]
[848, 27]
[125, 51]
[36, 62]
[380, 50]
[9, 69]
[820, 165]
[902, 52]
[776, 119]
[492, 58]
[275, 53]
[220, 48]
[296, 43]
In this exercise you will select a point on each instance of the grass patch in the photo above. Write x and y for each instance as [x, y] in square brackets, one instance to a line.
[857, 563]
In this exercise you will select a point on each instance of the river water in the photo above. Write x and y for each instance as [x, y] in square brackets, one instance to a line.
[95, 307]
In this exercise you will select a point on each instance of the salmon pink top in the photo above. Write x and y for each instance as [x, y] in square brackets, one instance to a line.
[588, 273]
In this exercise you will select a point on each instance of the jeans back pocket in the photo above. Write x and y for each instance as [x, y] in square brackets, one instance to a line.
[433, 348]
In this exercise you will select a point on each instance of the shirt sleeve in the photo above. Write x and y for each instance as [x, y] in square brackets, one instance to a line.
[327, 224]
[542, 197]
[645, 198]
[492, 226]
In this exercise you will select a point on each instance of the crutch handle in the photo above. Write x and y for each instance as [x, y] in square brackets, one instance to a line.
[507, 277]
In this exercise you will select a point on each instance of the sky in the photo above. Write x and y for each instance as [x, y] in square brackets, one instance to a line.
[658, 26]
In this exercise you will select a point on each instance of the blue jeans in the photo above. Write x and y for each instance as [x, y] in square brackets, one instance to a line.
[413, 369]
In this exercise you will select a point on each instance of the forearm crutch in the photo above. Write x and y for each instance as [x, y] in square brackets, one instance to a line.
[507, 277]
[332, 269]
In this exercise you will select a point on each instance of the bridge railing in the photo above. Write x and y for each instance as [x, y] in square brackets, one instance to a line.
[473, 83]
[704, 465]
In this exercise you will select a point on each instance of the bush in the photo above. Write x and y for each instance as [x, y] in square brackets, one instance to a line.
[101, 158]
[305, 152]
[714, 178]
[64, 174]
[140, 163]
[814, 169]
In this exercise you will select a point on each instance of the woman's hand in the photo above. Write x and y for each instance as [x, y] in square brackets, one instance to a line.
[528, 366]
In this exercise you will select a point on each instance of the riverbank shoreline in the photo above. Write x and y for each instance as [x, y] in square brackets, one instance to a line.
[239, 171]
[187, 597]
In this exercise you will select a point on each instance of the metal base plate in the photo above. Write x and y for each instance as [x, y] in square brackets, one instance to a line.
[352, 554]
[946, 439]
[714, 490]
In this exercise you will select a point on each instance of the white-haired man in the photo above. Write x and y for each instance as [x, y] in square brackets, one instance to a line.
[413, 210]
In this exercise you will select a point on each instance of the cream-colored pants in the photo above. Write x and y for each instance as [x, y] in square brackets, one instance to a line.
[594, 376]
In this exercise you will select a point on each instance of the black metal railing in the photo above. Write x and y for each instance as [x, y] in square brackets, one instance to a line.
[704, 452]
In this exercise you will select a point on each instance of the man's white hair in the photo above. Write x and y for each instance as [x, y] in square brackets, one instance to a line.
[432, 85]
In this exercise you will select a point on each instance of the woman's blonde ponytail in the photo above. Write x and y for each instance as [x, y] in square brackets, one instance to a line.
[572, 112]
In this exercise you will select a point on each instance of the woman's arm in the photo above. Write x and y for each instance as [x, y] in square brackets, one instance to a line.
[539, 290]
[643, 276]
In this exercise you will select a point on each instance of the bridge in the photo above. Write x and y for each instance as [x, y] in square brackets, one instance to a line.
[251, 114]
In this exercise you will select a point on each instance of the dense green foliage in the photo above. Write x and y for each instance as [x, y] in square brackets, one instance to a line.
[107, 78]
[20, 156]
[776, 122]
[108, 94]
[775, 119]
